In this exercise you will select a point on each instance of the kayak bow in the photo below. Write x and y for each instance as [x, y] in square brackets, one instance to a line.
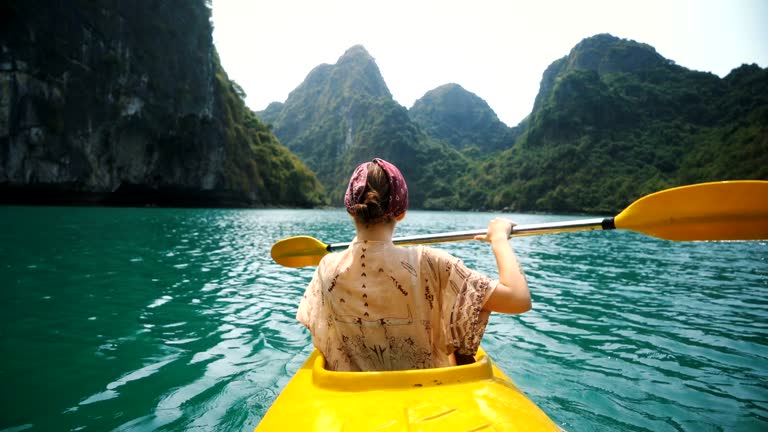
[472, 397]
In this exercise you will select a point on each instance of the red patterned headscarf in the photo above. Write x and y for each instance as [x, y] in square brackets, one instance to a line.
[398, 190]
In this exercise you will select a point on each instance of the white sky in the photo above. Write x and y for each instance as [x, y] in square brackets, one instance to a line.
[496, 49]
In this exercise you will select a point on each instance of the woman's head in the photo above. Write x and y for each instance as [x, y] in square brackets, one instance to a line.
[376, 193]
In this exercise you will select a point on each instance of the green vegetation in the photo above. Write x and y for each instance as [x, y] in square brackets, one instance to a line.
[613, 121]
[461, 119]
[258, 162]
[344, 114]
[598, 141]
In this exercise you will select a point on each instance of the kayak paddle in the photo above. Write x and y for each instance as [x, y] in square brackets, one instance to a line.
[727, 210]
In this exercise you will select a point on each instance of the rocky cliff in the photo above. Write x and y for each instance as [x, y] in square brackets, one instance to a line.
[112, 102]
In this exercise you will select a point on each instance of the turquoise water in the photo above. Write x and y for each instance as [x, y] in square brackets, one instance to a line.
[177, 319]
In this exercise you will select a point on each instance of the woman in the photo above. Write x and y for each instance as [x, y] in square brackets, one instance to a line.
[377, 306]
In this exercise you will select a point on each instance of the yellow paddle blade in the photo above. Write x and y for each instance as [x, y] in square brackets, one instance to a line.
[727, 210]
[301, 251]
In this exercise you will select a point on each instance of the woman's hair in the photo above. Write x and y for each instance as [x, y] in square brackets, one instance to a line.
[376, 193]
[375, 199]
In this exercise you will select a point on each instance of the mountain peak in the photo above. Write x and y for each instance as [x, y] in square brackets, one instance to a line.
[601, 54]
[460, 118]
[343, 92]
[451, 88]
[453, 94]
[357, 72]
[605, 53]
[355, 52]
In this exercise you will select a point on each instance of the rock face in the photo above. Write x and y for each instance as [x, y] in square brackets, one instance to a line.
[109, 102]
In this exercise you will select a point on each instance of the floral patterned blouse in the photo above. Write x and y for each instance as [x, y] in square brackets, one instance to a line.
[377, 306]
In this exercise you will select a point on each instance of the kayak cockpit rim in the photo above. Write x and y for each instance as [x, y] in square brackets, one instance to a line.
[481, 369]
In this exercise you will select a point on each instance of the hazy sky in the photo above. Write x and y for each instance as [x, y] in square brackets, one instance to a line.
[496, 49]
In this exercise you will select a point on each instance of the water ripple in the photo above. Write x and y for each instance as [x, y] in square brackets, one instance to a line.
[177, 319]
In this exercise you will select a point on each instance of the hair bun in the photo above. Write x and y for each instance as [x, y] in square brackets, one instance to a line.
[376, 192]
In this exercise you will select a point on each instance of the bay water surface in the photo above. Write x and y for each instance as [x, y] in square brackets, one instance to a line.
[133, 319]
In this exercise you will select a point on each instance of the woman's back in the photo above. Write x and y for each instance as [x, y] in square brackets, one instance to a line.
[376, 306]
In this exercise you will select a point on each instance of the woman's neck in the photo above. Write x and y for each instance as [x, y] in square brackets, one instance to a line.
[375, 232]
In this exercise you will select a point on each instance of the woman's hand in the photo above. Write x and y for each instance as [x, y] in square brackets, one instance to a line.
[498, 229]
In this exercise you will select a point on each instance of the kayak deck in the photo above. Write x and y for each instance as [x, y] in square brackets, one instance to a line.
[474, 397]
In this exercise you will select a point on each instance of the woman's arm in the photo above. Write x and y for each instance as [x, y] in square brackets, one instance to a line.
[512, 294]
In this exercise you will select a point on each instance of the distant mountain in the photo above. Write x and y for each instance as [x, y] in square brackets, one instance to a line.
[614, 120]
[110, 103]
[344, 114]
[93, 108]
[461, 119]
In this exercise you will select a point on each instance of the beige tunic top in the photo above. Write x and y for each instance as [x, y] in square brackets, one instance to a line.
[377, 306]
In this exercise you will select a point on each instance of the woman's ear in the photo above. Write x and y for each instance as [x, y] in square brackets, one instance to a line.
[401, 216]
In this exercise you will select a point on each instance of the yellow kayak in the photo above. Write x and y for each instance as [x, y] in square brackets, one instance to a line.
[474, 397]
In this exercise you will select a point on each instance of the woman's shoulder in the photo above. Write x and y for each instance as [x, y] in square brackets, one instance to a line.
[331, 260]
[437, 254]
